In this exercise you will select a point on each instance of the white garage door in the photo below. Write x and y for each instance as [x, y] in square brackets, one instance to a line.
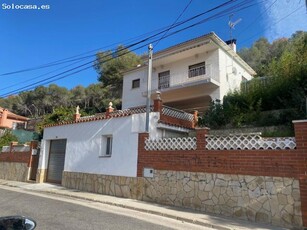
[56, 160]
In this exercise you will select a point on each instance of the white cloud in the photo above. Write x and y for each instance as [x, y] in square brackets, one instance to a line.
[295, 19]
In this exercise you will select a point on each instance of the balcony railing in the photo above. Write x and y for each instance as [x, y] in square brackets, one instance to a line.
[180, 78]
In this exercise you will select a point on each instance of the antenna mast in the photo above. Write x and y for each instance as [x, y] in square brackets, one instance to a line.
[232, 25]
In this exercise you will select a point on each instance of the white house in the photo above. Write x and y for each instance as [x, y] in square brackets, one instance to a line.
[189, 75]
[105, 144]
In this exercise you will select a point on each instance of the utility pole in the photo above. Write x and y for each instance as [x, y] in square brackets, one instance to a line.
[150, 48]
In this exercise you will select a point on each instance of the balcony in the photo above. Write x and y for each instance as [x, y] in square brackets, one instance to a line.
[169, 80]
[187, 90]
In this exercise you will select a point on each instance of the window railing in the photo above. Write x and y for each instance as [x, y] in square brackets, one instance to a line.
[164, 80]
[197, 70]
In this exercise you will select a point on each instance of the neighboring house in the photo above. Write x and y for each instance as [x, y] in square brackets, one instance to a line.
[10, 120]
[189, 75]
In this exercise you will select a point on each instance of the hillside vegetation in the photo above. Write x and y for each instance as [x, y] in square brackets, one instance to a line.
[276, 96]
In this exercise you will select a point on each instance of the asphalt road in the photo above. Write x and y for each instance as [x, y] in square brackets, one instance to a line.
[54, 212]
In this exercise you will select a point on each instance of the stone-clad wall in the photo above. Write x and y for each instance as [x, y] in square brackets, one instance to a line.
[14, 171]
[128, 187]
[271, 200]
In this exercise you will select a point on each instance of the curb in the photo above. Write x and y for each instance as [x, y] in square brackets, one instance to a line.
[191, 220]
[179, 218]
[158, 213]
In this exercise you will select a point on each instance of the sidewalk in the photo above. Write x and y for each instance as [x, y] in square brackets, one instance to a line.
[186, 215]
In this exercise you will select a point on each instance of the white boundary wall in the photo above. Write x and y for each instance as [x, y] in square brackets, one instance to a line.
[84, 143]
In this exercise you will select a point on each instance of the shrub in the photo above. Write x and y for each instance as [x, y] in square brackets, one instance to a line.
[7, 138]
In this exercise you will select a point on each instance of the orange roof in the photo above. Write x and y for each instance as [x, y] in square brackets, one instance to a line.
[14, 116]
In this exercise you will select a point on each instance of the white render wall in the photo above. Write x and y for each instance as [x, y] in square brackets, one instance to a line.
[219, 67]
[229, 80]
[133, 97]
[84, 145]
[179, 70]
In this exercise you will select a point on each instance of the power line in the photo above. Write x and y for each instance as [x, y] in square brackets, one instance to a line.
[72, 58]
[37, 77]
[49, 79]
[297, 9]
[186, 7]
[31, 86]
[157, 34]
[257, 18]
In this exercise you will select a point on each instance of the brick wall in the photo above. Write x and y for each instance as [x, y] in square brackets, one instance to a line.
[13, 160]
[158, 107]
[279, 163]
[176, 121]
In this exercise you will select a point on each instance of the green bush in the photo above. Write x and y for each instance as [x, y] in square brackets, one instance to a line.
[7, 138]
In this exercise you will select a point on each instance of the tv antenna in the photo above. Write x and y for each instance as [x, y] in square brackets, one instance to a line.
[232, 25]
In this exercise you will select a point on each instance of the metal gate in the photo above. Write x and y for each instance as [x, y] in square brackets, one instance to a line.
[56, 160]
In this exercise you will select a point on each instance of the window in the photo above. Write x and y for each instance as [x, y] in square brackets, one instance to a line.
[136, 83]
[164, 78]
[106, 146]
[197, 69]
[109, 146]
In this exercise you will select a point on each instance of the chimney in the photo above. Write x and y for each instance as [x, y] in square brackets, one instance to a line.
[232, 44]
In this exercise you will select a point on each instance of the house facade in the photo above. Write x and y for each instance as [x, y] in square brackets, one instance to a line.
[243, 176]
[189, 75]
[10, 120]
[105, 144]
[176, 163]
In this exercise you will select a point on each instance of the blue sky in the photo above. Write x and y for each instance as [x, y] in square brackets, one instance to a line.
[30, 38]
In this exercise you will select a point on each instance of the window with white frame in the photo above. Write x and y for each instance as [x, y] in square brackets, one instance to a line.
[106, 146]
[197, 69]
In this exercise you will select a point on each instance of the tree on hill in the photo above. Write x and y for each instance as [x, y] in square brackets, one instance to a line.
[261, 54]
[110, 66]
[284, 64]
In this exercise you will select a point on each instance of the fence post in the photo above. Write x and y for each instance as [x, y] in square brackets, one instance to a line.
[158, 103]
[201, 138]
[300, 128]
[195, 119]
[109, 110]
[141, 152]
